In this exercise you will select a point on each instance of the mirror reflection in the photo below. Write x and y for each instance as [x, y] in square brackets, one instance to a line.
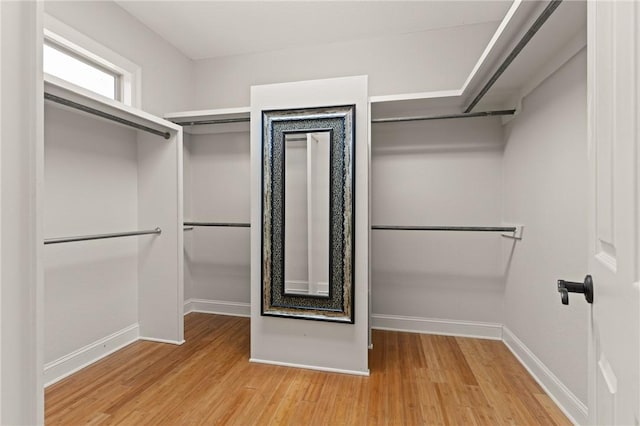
[306, 200]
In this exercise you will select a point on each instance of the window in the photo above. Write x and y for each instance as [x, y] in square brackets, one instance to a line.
[68, 66]
[73, 57]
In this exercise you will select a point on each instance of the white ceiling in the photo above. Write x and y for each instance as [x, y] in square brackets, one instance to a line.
[209, 29]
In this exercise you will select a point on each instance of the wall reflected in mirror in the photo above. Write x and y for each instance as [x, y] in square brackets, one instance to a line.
[307, 181]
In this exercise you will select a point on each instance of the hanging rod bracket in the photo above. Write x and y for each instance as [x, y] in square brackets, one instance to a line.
[516, 234]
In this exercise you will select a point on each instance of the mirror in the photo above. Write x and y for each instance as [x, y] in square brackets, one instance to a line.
[306, 214]
[308, 220]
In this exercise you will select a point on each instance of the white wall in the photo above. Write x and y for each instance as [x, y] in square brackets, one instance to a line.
[416, 62]
[167, 75]
[444, 172]
[21, 391]
[545, 188]
[91, 288]
[218, 172]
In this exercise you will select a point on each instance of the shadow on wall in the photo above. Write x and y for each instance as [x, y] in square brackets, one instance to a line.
[509, 248]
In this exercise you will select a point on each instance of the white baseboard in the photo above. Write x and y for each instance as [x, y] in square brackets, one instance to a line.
[479, 330]
[238, 309]
[570, 405]
[62, 367]
[310, 367]
[153, 339]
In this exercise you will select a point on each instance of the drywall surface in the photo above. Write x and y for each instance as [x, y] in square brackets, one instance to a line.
[21, 392]
[167, 75]
[218, 173]
[445, 172]
[545, 188]
[91, 287]
[415, 62]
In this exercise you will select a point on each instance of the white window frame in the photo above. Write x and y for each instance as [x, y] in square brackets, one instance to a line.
[129, 74]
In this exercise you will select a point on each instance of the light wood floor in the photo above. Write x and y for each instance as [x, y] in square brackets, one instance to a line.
[415, 379]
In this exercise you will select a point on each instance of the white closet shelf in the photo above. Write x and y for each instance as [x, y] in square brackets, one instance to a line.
[59, 89]
[227, 120]
[564, 29]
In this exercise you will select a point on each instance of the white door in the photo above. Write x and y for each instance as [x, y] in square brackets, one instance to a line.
[613, 88]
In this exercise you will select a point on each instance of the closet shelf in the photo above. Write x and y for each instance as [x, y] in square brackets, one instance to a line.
[526, 38]
[516, 60]
[193, 121]
[93, 111]
[68, 96]
[224, 120]
[101, 236]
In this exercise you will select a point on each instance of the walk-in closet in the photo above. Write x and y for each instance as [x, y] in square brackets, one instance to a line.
[319, 212]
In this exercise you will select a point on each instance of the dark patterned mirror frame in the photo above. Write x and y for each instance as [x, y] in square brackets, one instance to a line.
[340, 123]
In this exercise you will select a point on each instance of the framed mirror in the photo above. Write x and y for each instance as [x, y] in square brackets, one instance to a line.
[308, 213]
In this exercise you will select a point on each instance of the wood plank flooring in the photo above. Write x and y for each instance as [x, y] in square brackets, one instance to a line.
[415, 379]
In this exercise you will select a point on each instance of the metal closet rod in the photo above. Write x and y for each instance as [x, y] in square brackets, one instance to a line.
[219, 224]
[384, 227]
[374, 120]
[215, 121]
[100, 236]
[546, 13]
[446, 228]
[97, 112]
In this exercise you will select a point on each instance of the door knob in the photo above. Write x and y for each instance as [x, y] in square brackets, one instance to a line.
[566, 287]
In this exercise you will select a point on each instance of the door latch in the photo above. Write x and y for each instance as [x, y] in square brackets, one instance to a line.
[566, 287]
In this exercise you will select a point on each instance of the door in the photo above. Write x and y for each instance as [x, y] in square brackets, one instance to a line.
[613, 78]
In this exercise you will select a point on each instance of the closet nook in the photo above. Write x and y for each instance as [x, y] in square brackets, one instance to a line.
[216, 203]
[110, 171]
